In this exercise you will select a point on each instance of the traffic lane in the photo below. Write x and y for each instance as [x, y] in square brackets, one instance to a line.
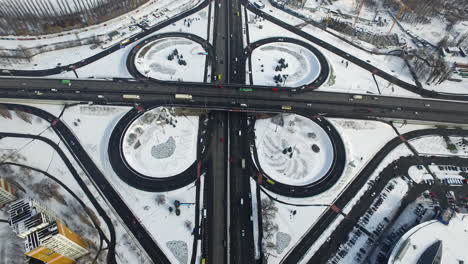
[366, 102]
[242, 229]
[272, 105]
[217, 191]
[103, 86]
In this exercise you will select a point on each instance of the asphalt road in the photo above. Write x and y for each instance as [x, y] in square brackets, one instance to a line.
[334, 104]
[221, 42]
[216, 184]
[241, 228]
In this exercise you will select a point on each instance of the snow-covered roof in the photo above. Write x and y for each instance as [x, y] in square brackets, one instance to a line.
[414, 243]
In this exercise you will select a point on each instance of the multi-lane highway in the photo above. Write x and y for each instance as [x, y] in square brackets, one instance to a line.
[228, 199]
[216, 184]
[240, 198]
[230, 97]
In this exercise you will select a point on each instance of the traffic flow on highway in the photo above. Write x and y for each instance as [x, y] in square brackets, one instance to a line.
[235, 192]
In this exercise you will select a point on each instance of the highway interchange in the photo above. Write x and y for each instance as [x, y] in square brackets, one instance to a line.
[227, 231]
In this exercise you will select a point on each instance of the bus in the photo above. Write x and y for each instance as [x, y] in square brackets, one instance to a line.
[130, 96]
[259, 4]
[246, 89]
[123, 42]
[183, 96]
[270, 181]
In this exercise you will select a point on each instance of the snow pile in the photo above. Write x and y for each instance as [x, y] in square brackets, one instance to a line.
[442, 172]
[179, 249]
[302, 68]
[161, 144]
[172, 59]
[293, 149]
[282, 241]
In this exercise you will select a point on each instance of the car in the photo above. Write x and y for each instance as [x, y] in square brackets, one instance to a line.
[243, 232]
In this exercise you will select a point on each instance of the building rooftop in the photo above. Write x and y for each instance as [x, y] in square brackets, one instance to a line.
[417, 242]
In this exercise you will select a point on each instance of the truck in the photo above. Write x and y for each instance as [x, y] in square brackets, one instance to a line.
[183, 96]
[131, 96]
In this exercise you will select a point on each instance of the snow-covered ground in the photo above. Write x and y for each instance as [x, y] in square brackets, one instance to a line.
[437, 145]
[289, 224]
[293, 149]
[303, 66]
[419, 238]
[344, 75]
[377, 20]
[164, 59]
[39, 155]
[169, 231]
[161, 144]
[162, 9]
[113, 65]
[362, 140]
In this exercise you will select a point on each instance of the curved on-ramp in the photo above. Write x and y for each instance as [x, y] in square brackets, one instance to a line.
[319, 186]
[324, 66]
[138, 180]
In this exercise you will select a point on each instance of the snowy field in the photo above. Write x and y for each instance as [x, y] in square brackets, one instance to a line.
[344, 75]
[303, 66]
[113, 65]
[171, 232]
[152, 60]
[293, 149]
[453, 237]
[378, 21]
[160, 143]
[39, 155]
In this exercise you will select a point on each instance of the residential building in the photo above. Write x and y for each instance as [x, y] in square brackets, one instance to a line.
[7, 192]
[27, 216]
[55, 244]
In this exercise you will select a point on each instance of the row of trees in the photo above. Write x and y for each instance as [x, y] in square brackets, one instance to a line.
[34, 17]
